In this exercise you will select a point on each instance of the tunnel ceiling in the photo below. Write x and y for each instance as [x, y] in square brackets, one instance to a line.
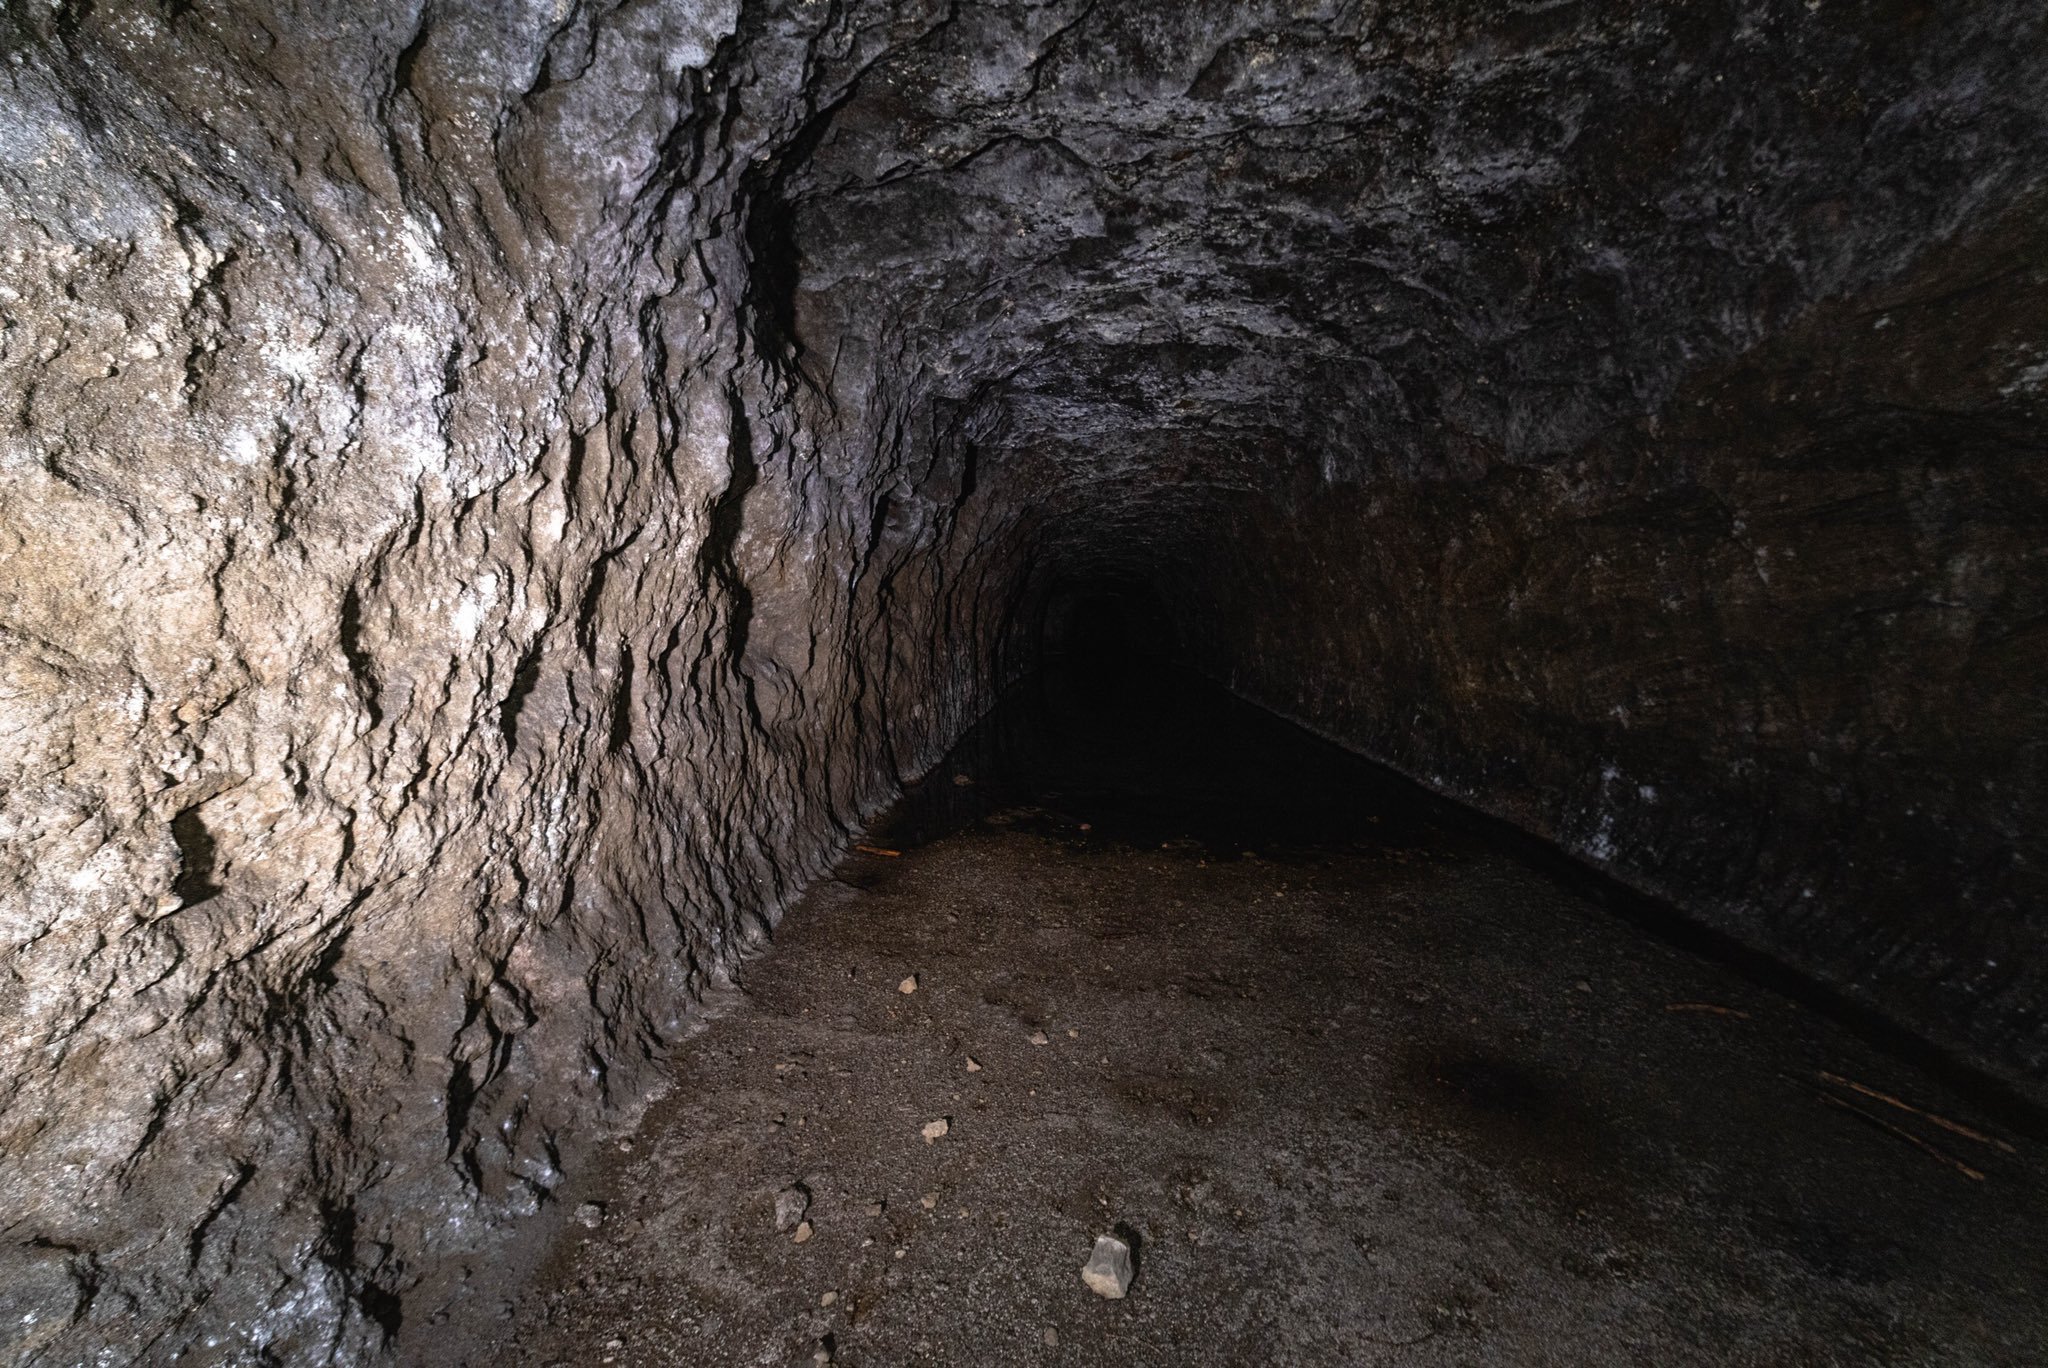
[1230, 246]
[497, 495]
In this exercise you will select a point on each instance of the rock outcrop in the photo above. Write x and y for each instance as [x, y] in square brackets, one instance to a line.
[494, 494]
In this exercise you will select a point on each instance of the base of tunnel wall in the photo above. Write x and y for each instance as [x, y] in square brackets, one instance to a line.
[1725, 932]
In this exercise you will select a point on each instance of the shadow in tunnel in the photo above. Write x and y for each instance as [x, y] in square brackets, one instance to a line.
[1108, 645]
[1116, 738]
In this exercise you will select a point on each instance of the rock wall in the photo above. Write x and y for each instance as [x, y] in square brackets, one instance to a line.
[438, 629]
[1774, 654]
[492, 493]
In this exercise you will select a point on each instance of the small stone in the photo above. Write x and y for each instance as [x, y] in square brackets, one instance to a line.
[828, 1298]
[909, 985]
[962, 780]
[1040, 1038]
[973, 1065]
[590, 1215]
[928, 1201]
[934, 1129]
[1051, 1337]
[1073, 1034]
[1108, 1270]
[803, 1232]
[875, 1208]
[790, 1205]
[1582, 987]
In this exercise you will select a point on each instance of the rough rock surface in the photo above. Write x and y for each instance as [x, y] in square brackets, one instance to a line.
[494, 493]
[1108, 1270]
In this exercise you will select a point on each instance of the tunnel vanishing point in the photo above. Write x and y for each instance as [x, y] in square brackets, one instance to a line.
[495, 495]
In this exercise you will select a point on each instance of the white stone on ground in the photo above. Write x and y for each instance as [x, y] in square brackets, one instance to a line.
[934, 1129]
[1108, 1270]
[790, 1205]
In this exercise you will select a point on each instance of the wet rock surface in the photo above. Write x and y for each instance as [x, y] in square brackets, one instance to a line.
[1322, 1147]
[492, 496]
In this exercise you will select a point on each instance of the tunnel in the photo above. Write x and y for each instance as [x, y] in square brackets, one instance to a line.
[737, 681]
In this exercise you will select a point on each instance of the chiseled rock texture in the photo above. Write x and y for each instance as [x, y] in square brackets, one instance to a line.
[493, 493]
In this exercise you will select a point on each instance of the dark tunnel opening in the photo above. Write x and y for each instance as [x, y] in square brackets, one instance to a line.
[1107, 636]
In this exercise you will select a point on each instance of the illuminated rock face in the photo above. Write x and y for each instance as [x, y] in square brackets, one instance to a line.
[494, 494]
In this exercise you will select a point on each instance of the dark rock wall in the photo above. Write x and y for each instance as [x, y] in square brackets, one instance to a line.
[1775, 654]
[494, 492]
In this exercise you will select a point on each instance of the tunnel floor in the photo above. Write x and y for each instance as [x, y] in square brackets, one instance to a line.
[1366, 1081]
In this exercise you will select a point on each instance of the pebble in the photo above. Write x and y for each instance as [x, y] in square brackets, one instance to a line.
[828, 1298]
[1040, 1038]
[1108, 1270]
[909, 985]
[928, 1201]
[590, 1215]
[1051, 1337]
[803, 1232]
[875, 1208]
[934, 1129]
[790, 1205]
[973, 1064]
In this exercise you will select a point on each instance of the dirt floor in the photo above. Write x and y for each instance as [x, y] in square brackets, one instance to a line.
[1362, 1080]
